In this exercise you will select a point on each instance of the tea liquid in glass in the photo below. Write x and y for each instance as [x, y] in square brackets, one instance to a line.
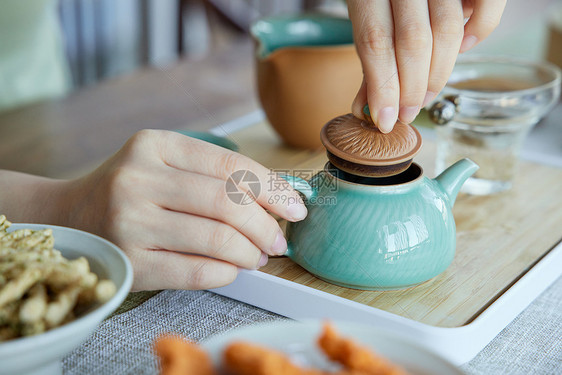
[485, 137]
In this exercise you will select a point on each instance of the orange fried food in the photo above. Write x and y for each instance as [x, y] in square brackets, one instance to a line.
[353, 356]
[241, 358]
[179, 357]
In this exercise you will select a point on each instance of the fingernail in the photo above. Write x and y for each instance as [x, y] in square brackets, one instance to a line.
[280, 244]
[386, 119]
[296, 211]
[263, 260]
[408, 114]
[468, 42]
[429, 96]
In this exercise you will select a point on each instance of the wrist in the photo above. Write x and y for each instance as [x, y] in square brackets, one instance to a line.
[60, 202]
[33, 199]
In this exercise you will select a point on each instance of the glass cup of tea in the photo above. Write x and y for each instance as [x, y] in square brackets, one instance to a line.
[486, 110]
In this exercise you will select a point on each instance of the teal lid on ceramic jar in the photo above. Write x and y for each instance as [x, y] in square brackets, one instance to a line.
[303, 30]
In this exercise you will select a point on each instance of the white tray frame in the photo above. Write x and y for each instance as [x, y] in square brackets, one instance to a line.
[458, 344]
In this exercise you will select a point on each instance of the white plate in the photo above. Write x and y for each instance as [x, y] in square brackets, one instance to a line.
[298, 340]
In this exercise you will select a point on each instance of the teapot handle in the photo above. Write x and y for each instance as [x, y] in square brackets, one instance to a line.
[300, 185]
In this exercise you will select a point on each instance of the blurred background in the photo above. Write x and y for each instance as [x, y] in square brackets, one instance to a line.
[168, 64]
[108, 38]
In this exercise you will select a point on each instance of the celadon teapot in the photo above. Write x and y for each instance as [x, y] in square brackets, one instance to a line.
[369, 225]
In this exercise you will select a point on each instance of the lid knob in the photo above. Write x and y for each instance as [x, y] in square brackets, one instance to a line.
[367, 115]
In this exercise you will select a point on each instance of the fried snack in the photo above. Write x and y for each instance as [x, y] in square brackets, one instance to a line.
[16, 288]
[39, 288]
[179, 357]
[35, 306]
[241, 358]
[62, 305]
[353, 356]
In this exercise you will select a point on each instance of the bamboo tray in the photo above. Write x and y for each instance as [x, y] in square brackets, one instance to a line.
[508, 251]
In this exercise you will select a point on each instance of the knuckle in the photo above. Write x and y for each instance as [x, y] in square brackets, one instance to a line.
[376, 40]
[245, 253]
[218, 237]
[437, 81]
[222, 203]
[208, 274]
[241, 251]
[144, 134]
[142, 137]
[272, 227]
[141, 142]
[414, 36]
[267, 229]
[229, 162]
[200, 277]
[414, 96]
[388, 90]
[487, 24]
[448, 30]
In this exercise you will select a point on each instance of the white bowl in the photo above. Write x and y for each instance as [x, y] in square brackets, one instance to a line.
[41, 354]
[298, 341]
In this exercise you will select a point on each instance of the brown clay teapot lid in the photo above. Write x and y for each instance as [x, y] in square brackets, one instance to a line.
[356, 146]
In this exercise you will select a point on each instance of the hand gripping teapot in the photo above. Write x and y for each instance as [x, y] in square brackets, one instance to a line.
[375, 222]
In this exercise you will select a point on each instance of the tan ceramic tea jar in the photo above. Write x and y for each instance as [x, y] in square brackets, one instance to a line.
[308, 72]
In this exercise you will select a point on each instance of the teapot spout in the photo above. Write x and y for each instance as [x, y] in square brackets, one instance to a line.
[452, 178]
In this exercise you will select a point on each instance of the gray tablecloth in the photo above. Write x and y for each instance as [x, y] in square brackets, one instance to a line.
[531, 344]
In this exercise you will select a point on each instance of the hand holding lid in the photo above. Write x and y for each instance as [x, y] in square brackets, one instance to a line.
[357, 146]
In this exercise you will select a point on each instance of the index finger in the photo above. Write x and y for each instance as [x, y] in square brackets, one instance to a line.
[270, 190]
[373, 32]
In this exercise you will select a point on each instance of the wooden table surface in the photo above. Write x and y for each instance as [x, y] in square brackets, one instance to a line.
[69, 136]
